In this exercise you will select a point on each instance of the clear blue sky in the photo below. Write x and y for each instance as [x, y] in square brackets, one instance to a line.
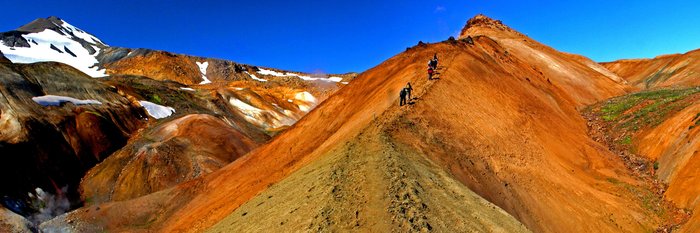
[342, 36]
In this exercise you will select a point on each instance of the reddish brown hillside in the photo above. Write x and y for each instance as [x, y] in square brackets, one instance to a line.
[158, 65]
[677, 70]
[584, 80]
[674, 145]
[656, 132]
[177, 151]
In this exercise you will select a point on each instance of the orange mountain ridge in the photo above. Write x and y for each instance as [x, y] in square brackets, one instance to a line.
[496, 144]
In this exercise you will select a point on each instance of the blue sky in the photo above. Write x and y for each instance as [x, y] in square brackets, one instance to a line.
[344, 36]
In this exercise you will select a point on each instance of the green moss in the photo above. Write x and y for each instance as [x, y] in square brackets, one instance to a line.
[96, 114]
[155, 99]
[627, 140]
[659, 76]
[655, 106]
[613, 181]
[649, 200]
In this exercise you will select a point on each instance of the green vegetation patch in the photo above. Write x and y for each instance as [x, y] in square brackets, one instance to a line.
[658, 77]
[96, 114]
[649, 200]
[155, 99]
[627, 140]
[648, 108]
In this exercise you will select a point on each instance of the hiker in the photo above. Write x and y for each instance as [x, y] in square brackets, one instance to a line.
[431, 63]
[435, 61]
[430, 73]
[403, 97]
[408, 91]
[470, 40]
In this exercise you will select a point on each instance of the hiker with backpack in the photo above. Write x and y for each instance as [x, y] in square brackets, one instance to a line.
[434, 62]
[430, 73]
[408, 91]
[402, 95]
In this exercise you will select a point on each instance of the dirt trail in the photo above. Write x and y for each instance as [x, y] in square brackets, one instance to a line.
[370, 184]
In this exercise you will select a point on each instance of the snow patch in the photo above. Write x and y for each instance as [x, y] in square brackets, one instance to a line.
[303, 77]
[251, 114]
[255, 77]
[259, 116]
[187, 89]
[56, 100]
[305, 97]
[157, 111]
[309, 78]
[309, 101]
[40, 50]
[335, 79]
[203, 69]
[270, 72]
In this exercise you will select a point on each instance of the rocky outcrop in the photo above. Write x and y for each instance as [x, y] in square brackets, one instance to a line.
[482, 21]
[13, 39]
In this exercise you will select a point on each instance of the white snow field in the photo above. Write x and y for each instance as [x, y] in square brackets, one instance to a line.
[303, 77]
[56, 100]
[203, 69]
[40, 50]
[157, 111]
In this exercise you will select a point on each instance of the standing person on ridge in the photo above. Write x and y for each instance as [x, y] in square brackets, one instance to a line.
[435, 61]
[408, 91]
[402, 95]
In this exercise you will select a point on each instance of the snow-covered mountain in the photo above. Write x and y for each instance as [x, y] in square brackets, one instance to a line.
[53, 39]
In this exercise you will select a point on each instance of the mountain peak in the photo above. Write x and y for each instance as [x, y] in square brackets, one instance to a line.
[53, 39]
[40, 24]
[483, 21]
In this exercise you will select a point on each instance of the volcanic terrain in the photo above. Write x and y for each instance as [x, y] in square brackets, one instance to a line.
[511, 136]
[69, 101]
